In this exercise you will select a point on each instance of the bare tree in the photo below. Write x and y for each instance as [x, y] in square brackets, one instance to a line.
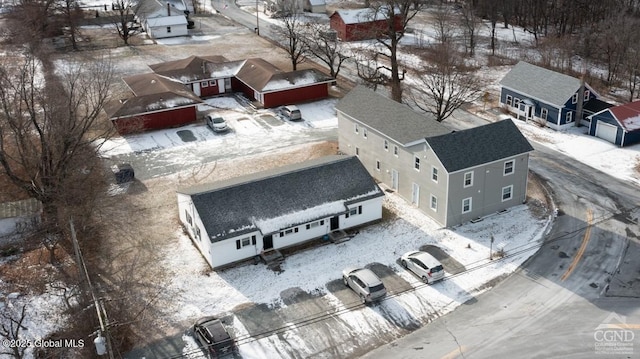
[71, 17]
[446, 83]
[11, 319]
[324, 45]
[50, 133]
[125, 11]
[291, 37]
[386, 69]
[470, 24]
[443, 24]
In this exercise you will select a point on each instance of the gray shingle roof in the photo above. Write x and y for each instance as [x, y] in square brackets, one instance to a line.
[479, 145]
[395, 120]
[545, 85]
[230, 208]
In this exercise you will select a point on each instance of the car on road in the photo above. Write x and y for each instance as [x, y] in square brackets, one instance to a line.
[424, 265]
[213, 337]
[365, 283]
[291, 113]
[216, 122]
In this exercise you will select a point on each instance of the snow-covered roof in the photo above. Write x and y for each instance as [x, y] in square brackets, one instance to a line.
[194, 68]
[357, 16]
[298, 78]
[628, 115]
[317, 2]
[283, 197]
[167, 21]
[263, 76]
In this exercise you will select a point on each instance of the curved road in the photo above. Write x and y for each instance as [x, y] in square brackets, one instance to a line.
[556, 304]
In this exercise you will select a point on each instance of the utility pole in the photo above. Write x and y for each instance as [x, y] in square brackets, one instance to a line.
[257, 20]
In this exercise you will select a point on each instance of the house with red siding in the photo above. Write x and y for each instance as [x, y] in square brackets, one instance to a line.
[169, 96]
[156, 102]
[261, 81]
[362, 24]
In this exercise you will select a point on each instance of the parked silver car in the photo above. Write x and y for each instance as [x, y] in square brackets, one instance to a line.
[424, 265]
[216, 122]
[291, 113]
[365, 283]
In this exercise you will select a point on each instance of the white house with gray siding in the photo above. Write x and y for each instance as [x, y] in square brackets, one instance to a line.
[237, 219]
[453, 177]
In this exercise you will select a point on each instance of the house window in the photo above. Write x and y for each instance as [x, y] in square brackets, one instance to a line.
[434, 174]
[434, 203]
[357, 151]
[315, 224]
[364, 132]
[385, 144]
[587, 95]
[416, 163]
[395, 150]
[509, 100]
[543, 114]
[378, 165]
[289, 231]
[468, 179]
[569, 117]
[508, 167]
[245, 242]
[355, 128]
[353, 211]
[168, 29]
[197, 233]
[212, 83]
[516, 103]
[466, 205]
[188, 217]
[507, 193]
[574, 98]
[204, 84]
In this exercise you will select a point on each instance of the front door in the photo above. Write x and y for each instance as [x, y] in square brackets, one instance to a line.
[415, 194]
[394, 180]
[196, 88]
[267, 242]
[528, 111]
[221, 88]
[334, 223]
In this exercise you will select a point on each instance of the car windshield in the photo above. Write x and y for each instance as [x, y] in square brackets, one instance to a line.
[218, 120]
[377, 288]
[437, 269]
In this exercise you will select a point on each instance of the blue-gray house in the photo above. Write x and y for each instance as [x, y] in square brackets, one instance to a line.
[619, 125]
[534, 93]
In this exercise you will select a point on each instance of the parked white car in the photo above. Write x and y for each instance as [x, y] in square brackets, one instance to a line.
[216, 122]
[424, 265]
[365, 283]
[291, 113]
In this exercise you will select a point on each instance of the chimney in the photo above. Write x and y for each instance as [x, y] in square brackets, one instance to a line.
[168, 9]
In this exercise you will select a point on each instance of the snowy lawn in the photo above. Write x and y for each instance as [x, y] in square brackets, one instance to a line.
[196, 294]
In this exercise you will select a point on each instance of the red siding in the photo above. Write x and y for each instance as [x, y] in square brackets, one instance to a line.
[157, 120]
[361, 31]
[293, 96]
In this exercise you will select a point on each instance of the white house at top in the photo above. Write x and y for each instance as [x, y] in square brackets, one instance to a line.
[163, 19]
[237, 219]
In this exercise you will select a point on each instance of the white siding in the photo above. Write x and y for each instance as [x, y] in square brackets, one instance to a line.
[226, 251]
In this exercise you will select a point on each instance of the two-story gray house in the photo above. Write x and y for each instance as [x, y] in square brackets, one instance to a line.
[453, 177]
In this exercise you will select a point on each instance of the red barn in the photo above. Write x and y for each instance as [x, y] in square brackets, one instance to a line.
[157, 102]
[363, 24]
[263, 82]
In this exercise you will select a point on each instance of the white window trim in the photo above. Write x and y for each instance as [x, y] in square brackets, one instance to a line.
[510, 193]
[513, 168]
[364, 133]
[378, 165]
[416, 163]
[574, 98]
[464, 180]
[395, 150]
[587, 94]
[431, 198]
[357, 151]
[544, 113]
[509, 100]
[569, 117]
[355, 128]
[204, 84]
[435, 171]
[470, 205]
[385, 145]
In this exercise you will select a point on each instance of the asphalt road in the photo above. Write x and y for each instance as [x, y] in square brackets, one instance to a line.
[556, 305]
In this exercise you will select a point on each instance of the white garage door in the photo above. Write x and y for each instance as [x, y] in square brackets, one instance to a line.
[606, 131]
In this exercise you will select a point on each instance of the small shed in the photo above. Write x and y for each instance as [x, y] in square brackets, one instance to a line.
[363, 24]
[167, 26]
[619, 125]
[315, 6]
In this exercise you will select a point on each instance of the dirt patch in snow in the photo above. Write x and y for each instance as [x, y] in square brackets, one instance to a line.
[538, 196]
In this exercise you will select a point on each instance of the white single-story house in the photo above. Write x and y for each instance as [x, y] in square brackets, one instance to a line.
[315, 6]
[163, 19]
[237, 219]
